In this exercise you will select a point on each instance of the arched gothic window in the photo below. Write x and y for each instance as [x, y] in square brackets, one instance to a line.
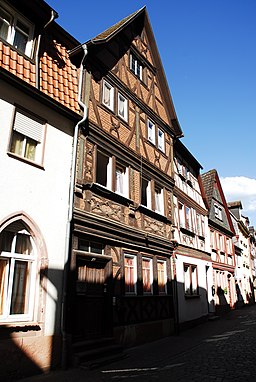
[17, 273]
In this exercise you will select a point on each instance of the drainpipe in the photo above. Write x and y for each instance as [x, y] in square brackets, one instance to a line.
[70, 211]
[54, 16]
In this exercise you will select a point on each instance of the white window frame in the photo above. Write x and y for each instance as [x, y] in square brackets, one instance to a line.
[29, 128]
[160, 140]
[134, 261]
[136, 66]
[110, 103]
[191, 287]
[151, 131]
[150, 261]
[12, 27]
[12, 257]
[120, 99]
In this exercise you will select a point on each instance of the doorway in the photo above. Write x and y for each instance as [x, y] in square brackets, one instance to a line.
[93, 302]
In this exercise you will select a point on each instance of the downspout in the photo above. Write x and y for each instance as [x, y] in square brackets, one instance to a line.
[70, 211]
[54, 16]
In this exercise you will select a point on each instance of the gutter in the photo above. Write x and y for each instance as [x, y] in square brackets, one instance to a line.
[54, 15]
[64, 358]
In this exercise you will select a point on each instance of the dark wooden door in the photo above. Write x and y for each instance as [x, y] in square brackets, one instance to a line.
[92, 307]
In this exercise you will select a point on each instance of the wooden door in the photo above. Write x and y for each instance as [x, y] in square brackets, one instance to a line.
[92, 299]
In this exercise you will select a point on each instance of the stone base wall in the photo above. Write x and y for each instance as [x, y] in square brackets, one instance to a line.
[130, 335]
[28, 355]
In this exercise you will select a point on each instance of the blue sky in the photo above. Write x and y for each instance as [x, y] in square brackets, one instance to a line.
[208, 50]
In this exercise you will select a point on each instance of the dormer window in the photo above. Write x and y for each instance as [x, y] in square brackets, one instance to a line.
[218, 212]
[136, 66]
[16, 30]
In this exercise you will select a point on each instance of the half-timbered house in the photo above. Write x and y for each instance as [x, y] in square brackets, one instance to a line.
[193, 266]
[222, 248]
[242, 244]
[120, 269]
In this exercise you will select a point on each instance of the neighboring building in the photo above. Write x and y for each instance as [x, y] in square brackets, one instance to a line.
[193, 257]
[222, 249]
[244, 265]
[122, 238]
[38, 109]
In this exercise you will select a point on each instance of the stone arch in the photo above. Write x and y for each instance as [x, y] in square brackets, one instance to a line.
[42, 257]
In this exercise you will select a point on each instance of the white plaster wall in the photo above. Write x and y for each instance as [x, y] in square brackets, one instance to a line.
[40, 193]
[196, 307]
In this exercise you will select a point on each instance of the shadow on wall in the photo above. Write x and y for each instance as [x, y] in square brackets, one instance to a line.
[25, 348]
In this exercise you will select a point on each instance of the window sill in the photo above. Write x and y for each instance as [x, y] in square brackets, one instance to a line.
[106, 192]
[18, 51]
[187, 231]
[191, 296]
[25, 160]
[11, 328]
[156, 215]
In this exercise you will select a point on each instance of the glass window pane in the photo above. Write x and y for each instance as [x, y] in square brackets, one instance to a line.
[101, 171]
[96, 248]
[30, 150]
[146, 275]
[83, 245]
[6, 239]
[17, 143]
[20, 41]
[5, 21]
[129, 263]
[19, 300]
[23, 244]
[3, 275]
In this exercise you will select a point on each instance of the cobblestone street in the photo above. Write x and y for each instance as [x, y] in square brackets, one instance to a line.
[219, 350]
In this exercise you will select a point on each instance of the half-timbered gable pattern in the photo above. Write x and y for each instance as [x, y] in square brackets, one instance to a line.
[193, 260]
[222, 248]
[125, 179]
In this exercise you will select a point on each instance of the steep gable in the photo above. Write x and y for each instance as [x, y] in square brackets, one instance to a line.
[218, 210]
[109, 53]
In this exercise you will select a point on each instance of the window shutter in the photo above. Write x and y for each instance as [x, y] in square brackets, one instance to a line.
[30, 127]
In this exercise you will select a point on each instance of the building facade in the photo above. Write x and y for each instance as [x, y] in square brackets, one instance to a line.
[38, 109]
[192, 256]
[222, 248]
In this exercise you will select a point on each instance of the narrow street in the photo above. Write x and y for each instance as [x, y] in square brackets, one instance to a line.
[219, 350]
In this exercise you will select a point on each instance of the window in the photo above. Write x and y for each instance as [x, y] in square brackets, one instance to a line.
[136, 66]
[108, 95]
[27, 136]
[212, 240]
[188, 217]
[151, 131]
[130, 274]
[160, 140]
[106, 169]
[147, 276]
[161, 276]
[122, 107]
[190, 280]
[103, 169]
[159, 200]
[17, 273]
[121, 181]
[218, 211]
[181, 215]
[88, 246]
[145, 193]
[16, 30]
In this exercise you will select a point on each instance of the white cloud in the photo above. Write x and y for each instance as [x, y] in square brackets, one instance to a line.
[243, 189]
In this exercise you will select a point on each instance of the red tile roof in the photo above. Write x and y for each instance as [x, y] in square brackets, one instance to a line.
[59, 82]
